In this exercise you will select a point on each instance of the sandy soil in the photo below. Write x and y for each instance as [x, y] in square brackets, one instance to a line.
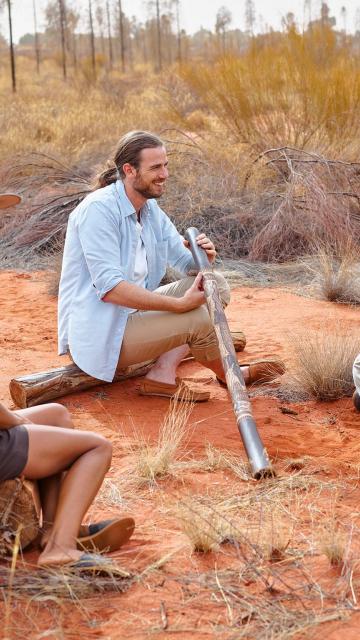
[184, 597]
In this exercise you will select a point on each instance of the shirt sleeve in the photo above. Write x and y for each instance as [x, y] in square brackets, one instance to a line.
[99, 236]
[179, 257]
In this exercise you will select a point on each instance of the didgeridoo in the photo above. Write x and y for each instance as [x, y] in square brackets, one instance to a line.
[255, 451]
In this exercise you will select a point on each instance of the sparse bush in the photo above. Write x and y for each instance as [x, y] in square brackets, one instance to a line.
[336, 274]
[288, 97]
[154, 461]
[334, 541]
[322, 364]
[203, 522]
[276, 534]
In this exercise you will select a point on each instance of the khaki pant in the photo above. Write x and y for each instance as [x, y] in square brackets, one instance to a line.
[149, 334]
[356, 373]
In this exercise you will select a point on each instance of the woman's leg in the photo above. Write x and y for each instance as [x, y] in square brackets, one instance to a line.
[53, 415]
[86, 457]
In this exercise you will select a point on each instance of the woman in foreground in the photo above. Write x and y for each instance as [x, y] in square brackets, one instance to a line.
[40, 444]
[30, 446]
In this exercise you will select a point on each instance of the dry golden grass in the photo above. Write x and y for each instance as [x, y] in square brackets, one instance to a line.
[223, 121]
[202, 523]
[155, 461]
[283, 93]
[321, 366]
[336, 274]
[214, 460]
[333, 542]
[86, 121]
[147, 462]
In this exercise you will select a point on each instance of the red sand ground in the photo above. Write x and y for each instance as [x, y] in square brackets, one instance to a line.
[160, 603]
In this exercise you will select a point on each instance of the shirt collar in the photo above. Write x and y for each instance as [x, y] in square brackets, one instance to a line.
[127, 207]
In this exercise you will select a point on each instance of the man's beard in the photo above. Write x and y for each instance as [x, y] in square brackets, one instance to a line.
[145, 190]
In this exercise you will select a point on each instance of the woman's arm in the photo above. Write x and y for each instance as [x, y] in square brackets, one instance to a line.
[10, 419]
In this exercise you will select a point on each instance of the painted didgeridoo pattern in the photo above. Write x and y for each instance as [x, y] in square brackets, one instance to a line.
[255, 451]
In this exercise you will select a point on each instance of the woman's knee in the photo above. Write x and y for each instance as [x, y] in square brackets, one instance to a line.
[60, 416]
[104, 445]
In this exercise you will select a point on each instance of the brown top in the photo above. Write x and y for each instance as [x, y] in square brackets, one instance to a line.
[14, 448]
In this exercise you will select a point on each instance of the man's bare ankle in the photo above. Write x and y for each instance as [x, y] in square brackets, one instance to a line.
[162, 374]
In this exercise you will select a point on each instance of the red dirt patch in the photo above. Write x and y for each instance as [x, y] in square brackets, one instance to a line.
[235, 591]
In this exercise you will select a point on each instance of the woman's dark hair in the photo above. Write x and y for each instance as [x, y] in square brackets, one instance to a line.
[128, 150]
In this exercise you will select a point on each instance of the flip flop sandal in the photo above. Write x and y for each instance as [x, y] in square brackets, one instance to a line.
[92, 562]
[93, 528]
[179, 390]
[108, 535]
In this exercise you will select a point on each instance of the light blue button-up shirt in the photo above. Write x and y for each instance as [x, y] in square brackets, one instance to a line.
[99, 253]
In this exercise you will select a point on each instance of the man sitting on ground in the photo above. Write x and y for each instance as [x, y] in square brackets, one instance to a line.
[112, 311]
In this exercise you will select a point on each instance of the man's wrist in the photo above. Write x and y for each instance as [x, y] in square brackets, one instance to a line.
[174, 304]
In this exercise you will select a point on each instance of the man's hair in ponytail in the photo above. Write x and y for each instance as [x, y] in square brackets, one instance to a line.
[128, 150]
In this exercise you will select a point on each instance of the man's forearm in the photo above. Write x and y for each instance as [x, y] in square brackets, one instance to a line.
[135, 297]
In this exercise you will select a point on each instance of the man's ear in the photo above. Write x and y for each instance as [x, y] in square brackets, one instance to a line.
[128, 169]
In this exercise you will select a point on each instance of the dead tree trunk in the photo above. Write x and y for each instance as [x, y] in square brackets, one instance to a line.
[158, 31]
[179, 56]
[11, 47]
[92, 41]
[37, 388]
[122, 42]
[36, 41]
[109, 35]
[62, 31]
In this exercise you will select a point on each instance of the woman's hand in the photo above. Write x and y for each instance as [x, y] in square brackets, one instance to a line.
[9, 419]
[21, 419]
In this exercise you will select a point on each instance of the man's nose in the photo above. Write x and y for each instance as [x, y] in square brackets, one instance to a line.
[164, 173]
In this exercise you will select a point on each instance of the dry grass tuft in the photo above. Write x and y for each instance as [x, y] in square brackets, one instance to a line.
[336, 274]
[334, 542]
[151, 462]
[276, 533]
[205, 522]
[322, 365]
[216, 459]
[42, 584]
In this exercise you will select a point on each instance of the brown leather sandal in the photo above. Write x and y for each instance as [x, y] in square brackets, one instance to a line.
[179, 390]
[261, 371]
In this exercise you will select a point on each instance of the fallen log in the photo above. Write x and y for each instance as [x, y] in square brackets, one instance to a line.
[19, 514]
[37, 388]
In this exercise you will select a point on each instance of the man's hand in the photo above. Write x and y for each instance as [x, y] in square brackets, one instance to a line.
[205, 244]
[193, 298]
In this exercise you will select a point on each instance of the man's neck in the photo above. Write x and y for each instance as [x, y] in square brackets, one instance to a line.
[136, 199]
